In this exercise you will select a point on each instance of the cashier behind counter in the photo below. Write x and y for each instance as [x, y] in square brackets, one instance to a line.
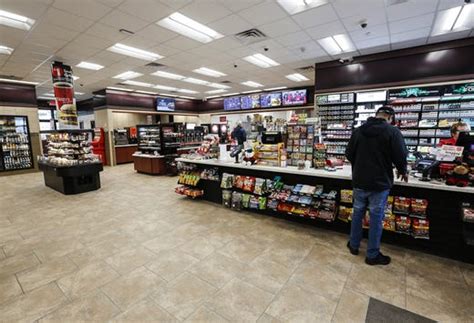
[456, 129]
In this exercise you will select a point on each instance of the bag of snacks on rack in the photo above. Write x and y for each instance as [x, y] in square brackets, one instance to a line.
[259, 188]
[249, 184]
[262, 203]
[403, 224]
[246, 200]
[313, 213]
[227, 180]
[239, 181]
[226, 198]
[418, 208]
[346, 196]
[389, 222]
[236, 200]
[254, 203]
[345, 213]
[401, 205]
[467, 212]
[389, 205]
[272, 204]
[285, 207]
[326, 215]
[420, 229]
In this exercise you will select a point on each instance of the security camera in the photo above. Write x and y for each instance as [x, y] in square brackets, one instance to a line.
[235, 65]
[265, 49]
[363, 24]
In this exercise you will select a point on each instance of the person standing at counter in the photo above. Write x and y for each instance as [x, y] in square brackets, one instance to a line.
[239, 134]
[456, 128]
[373, 150]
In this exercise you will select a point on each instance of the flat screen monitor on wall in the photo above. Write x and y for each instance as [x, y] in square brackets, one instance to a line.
[165, 104]
[270, 100]
[297, 97]
[232, 103]
[246, 102]
[255, 101]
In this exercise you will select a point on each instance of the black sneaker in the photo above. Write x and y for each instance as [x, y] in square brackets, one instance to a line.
[353, 251]
[379, 260]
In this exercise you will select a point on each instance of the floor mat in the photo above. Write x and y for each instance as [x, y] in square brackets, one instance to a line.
[379, 311]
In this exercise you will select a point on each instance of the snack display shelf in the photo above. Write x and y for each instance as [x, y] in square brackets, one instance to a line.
[15, 144]
[445, 235]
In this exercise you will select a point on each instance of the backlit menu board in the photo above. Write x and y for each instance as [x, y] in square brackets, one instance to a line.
[335, 98]
[231, 104]
[270, 100]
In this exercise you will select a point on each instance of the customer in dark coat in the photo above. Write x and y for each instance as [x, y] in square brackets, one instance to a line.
[239, 134]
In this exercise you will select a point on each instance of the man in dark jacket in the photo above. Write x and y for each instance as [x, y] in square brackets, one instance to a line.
[239, 134]
[373, 150]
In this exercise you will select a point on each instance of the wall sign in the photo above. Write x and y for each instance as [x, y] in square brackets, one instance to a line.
[63, 86]
[459, 89]
[415, 92]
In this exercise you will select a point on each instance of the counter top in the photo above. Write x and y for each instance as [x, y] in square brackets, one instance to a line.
[345, 174]
[148, 156]
[129, 145]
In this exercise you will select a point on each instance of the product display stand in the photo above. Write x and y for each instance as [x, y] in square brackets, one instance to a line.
[72, 179]
[149, 164]
[15, 143]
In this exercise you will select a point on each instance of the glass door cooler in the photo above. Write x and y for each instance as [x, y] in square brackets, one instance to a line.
[15, 143]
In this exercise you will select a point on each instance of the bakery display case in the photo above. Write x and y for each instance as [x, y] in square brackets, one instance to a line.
[15, 143]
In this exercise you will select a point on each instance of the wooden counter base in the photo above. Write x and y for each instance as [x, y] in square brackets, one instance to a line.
[152, 165]
[123, 154]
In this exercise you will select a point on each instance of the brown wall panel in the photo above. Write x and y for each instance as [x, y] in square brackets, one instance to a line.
[18, 93]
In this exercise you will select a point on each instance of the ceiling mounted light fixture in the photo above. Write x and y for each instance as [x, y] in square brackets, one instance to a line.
[16, 21]
[78, 93]
[6, 50]
[261, 60]
[186, 97]
[195, 81]
[295, 6]
[218, 86]
[75, 78]
[297, 77]
[164, 87]
[251, 84]
[454, 19]
[146, 92]
[168, 75]
[137, 83]
[230, 94]
[337, 44]
[134, 52]
[118, 88]
[216, 91]
[275, 88]
[90, 66]
[251, 91]
[190, 28]
[209, 72]
[187, 91]
[127, 75]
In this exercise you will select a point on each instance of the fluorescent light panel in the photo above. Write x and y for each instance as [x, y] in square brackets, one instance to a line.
[127, 75]
[16, 21]
[186, 97]
[337, 44]
[295, 6]
[454, 19]
[90, 66]
[209, 72]
[75, 78]
[216, 91]
[218, 86]
[146, 92]
[251, 84]
[297, 77]
[164, 87]
[134, 52]
[18, 82]
[137, 83]
[251, 91]
[118, 88]
[261, 60]
[6, 50]
[78, 93]
[190, 28]
[195, 81]
[275, 88]
[168, 75]
[230, 94]
[187, 91]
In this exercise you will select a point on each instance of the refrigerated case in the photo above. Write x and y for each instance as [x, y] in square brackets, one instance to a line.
[15, 143]
[149, 139]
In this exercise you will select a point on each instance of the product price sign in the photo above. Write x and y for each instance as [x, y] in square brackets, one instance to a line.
[447, 153]
[460, 89]
[63, 86]
[415, 92]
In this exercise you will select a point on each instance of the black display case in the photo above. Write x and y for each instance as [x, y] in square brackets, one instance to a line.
[15, 143]
[149, 139]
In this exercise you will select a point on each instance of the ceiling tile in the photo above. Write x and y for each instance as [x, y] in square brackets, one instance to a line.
[374, 17]
[350, 8]
[30, 9]
[205, 11]
[182, 43]
[231, 25]
[150, 10]
[373, 42]
[280, 27]
[87, 40]
[316, 16]
[409, 43]
[403, 25]
[325, 30]
[176, 4]
[61, 18]
[45, 29]
[450, 36]
[239, 5]
[410, 9]
[309, 49]
[111, 3]
[410, 35]
[156, 33]
[447, 4]
[263, 13]
[369, 33]
[372, 50]
[85, 8]
[224, 44]
[293, 38]
[120, 20]
[106, 32]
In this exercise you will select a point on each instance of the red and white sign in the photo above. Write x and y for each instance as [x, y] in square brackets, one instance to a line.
[63, 86]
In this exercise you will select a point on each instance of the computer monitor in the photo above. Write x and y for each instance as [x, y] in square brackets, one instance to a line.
[271, 137]
[466, 140]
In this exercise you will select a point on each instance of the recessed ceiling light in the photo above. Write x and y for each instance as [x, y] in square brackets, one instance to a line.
[218, 86]
[295, 6]
[297, 77]
[75, 78]
[168, 75]
[6, 50]
[251, 84]
[164, 87]
[127, 75]
[195, 81]
[261, 60]
[209, 72]
[230, 94]
[186, 97]
[90, 66]
[190, 28]
[118, 88]
[251, 91]
[134, 52]
[275, 88]
[16, 21]
[454, 19]
[337, 44]
[187, 91]
[137, 83]
[216, 91]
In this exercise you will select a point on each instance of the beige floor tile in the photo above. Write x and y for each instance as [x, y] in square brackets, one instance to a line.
[240, 301]
[243, 249]
[381, 282]
[184, 295]
[203, 314]
[84, 257]
[268, 275]
[266, 318]
[57, 249]
[128, 260]
[164, 242]
[2, 254]
[322, 257]
[9, 288]
[86, 279]
[217, 269]
[95, 307]
[352, 307]
[199, 247]
[294, 304]
[132, 288]
[15, 264]
[45, 273]
[33, 305]
[171, 263]
[468, 273]
[145, 311]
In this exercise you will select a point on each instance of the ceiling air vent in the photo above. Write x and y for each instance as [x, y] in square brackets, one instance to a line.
[308, 68]
[250, 36]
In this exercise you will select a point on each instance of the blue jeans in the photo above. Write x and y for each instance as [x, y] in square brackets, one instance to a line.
[375, 202]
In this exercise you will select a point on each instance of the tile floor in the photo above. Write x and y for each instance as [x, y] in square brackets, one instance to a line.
[136, 251]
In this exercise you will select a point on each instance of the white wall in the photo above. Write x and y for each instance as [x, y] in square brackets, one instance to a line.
[86, 118]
